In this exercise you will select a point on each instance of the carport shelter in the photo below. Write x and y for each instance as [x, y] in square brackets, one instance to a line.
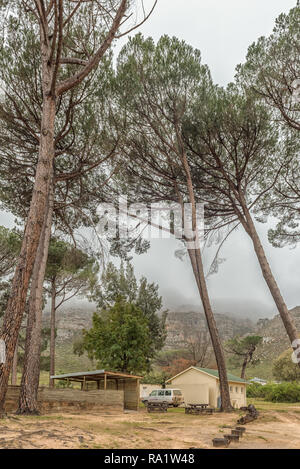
[107, 380]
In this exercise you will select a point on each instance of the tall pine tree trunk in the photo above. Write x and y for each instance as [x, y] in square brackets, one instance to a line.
[28, 399]
[197, 265]
[244, 366]
[14, 312]
[52, 334]
[285, 315]
[196, 261]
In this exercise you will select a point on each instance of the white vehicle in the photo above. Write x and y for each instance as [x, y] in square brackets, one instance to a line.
[173, 397]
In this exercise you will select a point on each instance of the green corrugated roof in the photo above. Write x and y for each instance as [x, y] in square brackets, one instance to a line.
[215, 373]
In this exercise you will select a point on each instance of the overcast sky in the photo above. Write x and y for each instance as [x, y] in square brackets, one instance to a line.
[222, 30]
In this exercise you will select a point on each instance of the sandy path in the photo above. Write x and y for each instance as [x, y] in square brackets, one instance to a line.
[142, 430]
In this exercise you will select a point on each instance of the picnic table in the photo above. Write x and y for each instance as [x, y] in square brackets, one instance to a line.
[198, 409]
[157, 406]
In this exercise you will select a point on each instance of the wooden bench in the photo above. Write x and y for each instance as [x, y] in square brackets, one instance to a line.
[198, 409]
[157, 406]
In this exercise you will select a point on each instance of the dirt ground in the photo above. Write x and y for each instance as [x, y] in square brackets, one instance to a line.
[277, 427]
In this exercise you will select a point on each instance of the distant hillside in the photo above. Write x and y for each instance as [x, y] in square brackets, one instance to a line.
[275, 341]
[71, 320]
[180, 326]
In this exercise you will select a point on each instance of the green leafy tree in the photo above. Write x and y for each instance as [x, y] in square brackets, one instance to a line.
[243, 351]
[120, 339]
[116, 283]
[284, 369]
[69, 272]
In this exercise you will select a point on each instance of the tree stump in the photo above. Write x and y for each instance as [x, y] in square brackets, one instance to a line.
[234, 438]
[241, 429]
[221, 442]
[237, 433]
[252, 415]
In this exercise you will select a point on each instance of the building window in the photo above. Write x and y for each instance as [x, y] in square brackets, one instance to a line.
[230, 388]
[236, 389]
[242, 390]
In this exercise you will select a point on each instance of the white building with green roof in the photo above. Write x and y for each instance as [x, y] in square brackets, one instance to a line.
[201, 386]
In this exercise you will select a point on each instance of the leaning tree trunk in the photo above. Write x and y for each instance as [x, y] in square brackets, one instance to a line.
[244, 366]
[197, 265]
[14, 369]
[16, 304]
[285, 315]
[52, 335]
[28, 398]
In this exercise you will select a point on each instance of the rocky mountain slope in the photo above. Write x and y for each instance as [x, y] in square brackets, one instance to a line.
[180, 327]
[275, 339]
[183, 325]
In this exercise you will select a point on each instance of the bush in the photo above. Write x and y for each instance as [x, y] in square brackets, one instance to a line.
[255, 390]
[283, 392]
[272, 392]
[284, 369]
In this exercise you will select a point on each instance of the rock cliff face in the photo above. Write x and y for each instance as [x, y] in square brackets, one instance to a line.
[70, 321]
[275, 339]
[181, 326]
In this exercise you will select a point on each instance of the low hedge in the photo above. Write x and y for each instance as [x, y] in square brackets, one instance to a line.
[272, 392]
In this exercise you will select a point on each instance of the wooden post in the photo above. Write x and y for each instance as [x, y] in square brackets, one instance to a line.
[138, 393]
[117, 384]
[105, 381]
[98, 383]
[84, 384]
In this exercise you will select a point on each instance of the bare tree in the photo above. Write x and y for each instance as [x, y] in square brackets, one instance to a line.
[199, 347]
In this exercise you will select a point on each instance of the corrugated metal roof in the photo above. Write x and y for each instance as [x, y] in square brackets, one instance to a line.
[93, 373]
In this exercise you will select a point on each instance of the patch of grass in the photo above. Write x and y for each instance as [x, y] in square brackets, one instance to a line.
[260, 404]
[176, 410]
[262, 438]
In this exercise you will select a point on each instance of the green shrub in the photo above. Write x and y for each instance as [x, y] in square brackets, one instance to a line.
[283, 392]
[272, 392]
[255, 390]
